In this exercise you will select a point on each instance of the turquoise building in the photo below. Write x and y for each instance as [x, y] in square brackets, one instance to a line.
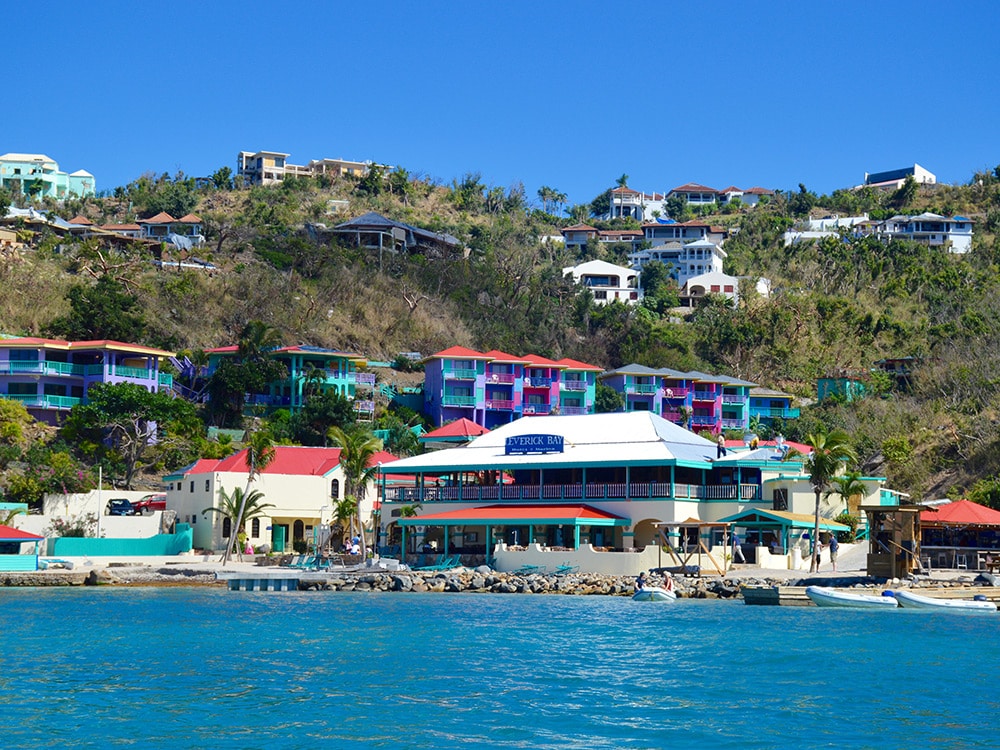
[38, 176]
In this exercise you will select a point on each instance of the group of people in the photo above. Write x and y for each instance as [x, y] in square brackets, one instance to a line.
[352, 547]
[643, 581]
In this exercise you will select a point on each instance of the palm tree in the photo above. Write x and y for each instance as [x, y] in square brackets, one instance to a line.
[357, 451]
[846, 487]
[622, 181]
[260, 453]
[546, 194]
[239, 507]
[344, 513]
[256, 340]
[830, 450]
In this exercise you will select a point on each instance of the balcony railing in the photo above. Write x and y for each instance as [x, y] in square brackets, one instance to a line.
[574, 410]
[364, 407]
[460, 374]
[449, 400]
[499, 404]
[732, 424]
[772, 412]
[728, 398]
[506, 378]
[40, 368]
[697, 419]
[166, 380]
[365, 378]
[641, 388]
[538, 382]
[537, 409]
[41, 401]
[575, 385]
[704, 396]
[590, 491]
[669, 392]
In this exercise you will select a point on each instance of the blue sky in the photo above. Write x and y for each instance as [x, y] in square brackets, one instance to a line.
[570, 95]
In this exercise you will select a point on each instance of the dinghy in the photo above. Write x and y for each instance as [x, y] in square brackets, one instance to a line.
[822, 596]
[911, 600]
[654, 594]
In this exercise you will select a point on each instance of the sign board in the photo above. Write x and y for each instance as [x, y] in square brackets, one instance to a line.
[522, 444]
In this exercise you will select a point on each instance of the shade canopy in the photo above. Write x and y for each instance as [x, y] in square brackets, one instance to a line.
[781, 518]
[10, 534]
[518, 515]
[960, 513]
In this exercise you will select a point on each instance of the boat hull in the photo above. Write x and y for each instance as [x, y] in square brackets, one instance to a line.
[654, 594]
[827, 597]
[911, 600]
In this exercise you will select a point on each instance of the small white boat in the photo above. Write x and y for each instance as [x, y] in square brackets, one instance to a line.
[654, 594]
[911, 600]
[822, 596]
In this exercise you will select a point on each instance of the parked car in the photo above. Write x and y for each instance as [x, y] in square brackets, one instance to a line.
[119, 506]
[149, 503]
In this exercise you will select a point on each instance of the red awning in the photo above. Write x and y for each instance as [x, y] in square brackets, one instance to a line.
[10, 534]
[960, 513]
[518, 514]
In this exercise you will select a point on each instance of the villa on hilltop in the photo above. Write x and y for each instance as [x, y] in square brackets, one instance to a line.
[38, 176]
[271, 167]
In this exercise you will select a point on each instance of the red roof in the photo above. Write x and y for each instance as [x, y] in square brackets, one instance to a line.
[961, 513]
[190, 219]
[731, 189]
[537, 361]
[10, 534]
[496, 355]
[579, 228]
[459, 352]
[61, 344]
[625, 189]
[572, 364]
[460, 428]
[82, 221]
[693, 187]
[295, 460]
[161, 218]
[513, 513]
[758, 191]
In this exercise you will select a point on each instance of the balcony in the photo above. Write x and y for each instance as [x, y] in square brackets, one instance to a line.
[669, 392]
[460, 374]
[451, 400]
[704, 396]
[42, 401]
[574, 492]
[534, 409]
[732, 399]
[574, 410]
[575, 385]
[364, 378]
[497, 404]
[504, 378]
[732, 424]
[364, 407]
[703, 421]
[41, 368]
[538, 382]
[166, 380]
[641, 388]
[765, 412]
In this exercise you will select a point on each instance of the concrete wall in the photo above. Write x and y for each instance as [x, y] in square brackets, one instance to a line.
[158, 545]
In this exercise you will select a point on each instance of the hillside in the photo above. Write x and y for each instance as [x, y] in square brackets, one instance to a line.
[838, 305]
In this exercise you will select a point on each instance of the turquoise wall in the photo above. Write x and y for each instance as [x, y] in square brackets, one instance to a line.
[161, 545]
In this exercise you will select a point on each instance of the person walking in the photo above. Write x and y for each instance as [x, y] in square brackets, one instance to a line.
[721, 443]
[834, 548]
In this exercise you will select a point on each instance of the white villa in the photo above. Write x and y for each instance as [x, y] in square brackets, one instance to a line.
[720, 283]
[607, 281]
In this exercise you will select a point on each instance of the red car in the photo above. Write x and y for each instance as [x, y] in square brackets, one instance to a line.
[150, 503]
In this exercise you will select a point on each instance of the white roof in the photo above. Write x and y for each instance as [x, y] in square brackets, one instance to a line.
[80, 173]
[598, 268]
[26, 157]
[636, 438]
[712, 277]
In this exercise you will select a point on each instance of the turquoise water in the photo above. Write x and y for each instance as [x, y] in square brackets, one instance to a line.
[201, 668]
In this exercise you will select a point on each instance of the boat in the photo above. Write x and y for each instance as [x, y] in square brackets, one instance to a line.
[654, 594]
[822, 596]
[911, 600]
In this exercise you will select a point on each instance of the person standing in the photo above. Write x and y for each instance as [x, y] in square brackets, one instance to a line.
[834, 548]
[721, 443]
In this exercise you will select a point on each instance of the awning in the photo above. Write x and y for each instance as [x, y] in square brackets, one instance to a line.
[960, 513]
[760, 519]
[10, 534]
[518, 515]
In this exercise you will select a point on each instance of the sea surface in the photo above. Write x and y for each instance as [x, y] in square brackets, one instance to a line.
[208, 668]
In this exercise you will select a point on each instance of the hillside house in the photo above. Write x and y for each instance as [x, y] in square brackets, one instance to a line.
[606, 281]
[38, 176]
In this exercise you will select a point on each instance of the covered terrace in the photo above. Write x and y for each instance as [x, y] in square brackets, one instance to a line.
[771, 534]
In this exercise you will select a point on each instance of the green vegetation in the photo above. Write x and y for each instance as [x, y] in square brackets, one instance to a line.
[838, 305]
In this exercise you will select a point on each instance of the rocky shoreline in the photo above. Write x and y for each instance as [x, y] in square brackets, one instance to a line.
[479, 580]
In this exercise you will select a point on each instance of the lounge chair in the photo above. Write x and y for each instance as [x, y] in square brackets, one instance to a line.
[445, 564]
[527, 570]
[566, 568]
[434, 565]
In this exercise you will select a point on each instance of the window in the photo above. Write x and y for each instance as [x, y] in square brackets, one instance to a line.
[255, 528]
[600, 295]
[22, 389]
[780, 501]
[335, 488]
[227, 527]
[194, 518]
[207, 485]
[192, 485]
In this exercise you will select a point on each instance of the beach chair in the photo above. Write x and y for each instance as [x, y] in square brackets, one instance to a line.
[566, 568]
[527, 570]
[434, 565]
[295, 562]
[446, 563]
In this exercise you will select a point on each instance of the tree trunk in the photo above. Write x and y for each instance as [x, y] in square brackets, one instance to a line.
[814, 565]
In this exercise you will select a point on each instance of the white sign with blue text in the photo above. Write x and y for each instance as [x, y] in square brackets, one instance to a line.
[520, 444]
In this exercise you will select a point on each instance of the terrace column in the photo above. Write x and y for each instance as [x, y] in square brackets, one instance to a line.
[541, 482]
[628, 483]
[673, 477]
[583, 490]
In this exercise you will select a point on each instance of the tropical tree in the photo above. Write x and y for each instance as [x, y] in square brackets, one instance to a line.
[357, 452]
[239, 507]
[622, 181]
[847, 486]
[344, 514]
[259, 455]
[830, 451]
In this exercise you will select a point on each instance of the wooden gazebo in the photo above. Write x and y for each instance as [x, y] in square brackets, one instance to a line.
[893, 539]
